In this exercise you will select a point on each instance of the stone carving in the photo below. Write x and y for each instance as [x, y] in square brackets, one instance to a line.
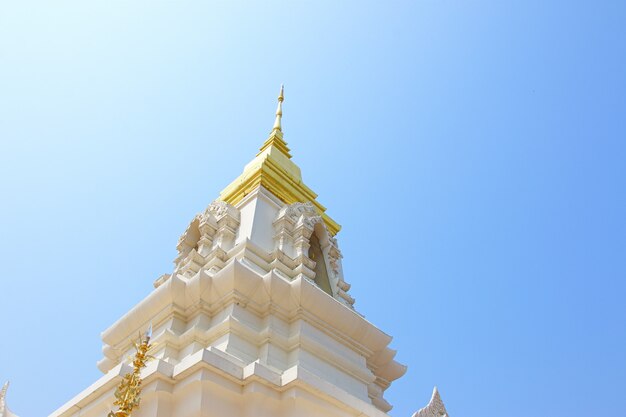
[295, 210]
[189, 239]
[161, 280]
[301, 213]
[334, 260]
[210, 233]
[219, 209]
[293, 228]
[435, 407]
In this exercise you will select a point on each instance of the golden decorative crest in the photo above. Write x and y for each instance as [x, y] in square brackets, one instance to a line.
[128, 393]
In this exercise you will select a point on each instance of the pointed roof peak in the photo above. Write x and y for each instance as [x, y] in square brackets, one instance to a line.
[279, 110]
[434, 408]
[4, 410]
[274, 170]
[3, 394]
[275, 140]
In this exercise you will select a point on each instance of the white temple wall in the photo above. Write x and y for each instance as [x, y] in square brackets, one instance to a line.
[319, 367]
[258, 211]
[246, 209]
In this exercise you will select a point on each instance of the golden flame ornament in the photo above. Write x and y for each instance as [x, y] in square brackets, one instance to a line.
[128, 393]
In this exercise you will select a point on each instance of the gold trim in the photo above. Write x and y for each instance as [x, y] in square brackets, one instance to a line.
[273, 169]
[279, 182]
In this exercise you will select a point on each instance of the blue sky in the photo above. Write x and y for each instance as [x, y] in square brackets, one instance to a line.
[474, 152]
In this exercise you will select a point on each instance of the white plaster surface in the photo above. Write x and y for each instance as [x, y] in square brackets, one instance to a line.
[241, 329]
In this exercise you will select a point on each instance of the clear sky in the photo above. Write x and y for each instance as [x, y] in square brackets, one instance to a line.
[474, 152]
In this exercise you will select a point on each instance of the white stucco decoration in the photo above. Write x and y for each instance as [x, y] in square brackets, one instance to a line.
[435, 407]
[4, 410]
[206, 241]
[293, 227]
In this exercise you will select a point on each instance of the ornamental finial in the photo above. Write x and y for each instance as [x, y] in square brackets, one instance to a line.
[3, 395]
[279, 110]
[4, 410]
[275, 140]
[128, 393]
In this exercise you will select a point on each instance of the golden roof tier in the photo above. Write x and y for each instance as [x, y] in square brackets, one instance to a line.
[273, 169]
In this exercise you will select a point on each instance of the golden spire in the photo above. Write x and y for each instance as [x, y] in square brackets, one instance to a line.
[279, 110]
[275, 139]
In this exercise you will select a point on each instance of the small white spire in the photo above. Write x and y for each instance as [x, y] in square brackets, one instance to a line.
[4, 410]
[435, 407]
[3, 395]
[279, 110]
[149, 332]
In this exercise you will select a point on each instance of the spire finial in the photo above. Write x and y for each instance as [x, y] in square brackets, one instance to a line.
[3, 395]
[279, 110]
[275, 140]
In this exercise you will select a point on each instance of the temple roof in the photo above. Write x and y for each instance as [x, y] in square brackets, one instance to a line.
[273, 169]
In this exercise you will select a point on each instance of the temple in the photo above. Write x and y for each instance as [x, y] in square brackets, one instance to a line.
[256, 318]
